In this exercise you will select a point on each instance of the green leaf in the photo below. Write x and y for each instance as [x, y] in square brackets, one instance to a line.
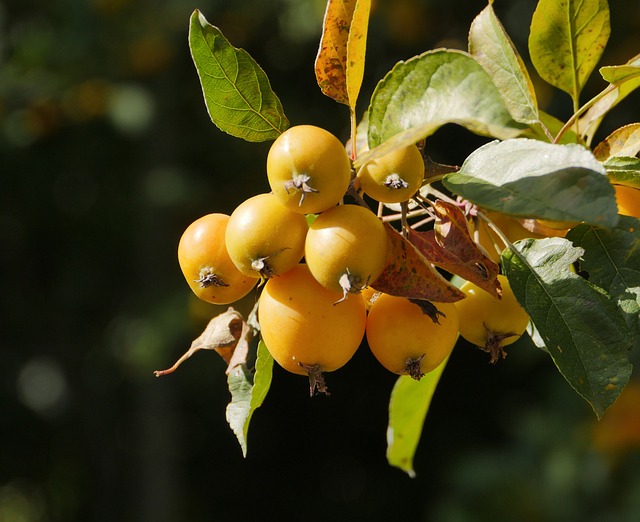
[624, 171]
[410, 400]
[248, 390]
[566, 40]
[531, 178]
[494, 50]
[612, 259]
[236, 90]
[626, 80]
[583, 329]
[443, 86]
[619, 74]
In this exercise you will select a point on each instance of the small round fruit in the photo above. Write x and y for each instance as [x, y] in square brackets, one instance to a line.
[264, 238]
[305, 332]
[405, 339]
[308, 169]
[346, 248]
[488, 322]
[206, 265]
[628, 200]
[394, 177]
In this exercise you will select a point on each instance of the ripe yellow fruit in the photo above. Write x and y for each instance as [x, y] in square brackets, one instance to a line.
[394, 177]
[405, 340]
[488, 322]
[264, 238]
[308, 169]
[206, 265]
[628, 200]
[303, 328]
[346, 248]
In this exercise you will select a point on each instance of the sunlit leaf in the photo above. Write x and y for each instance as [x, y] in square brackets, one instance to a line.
[248, 388]
[340, 61]
[582, 327]
[492, 47]
[612, 259]
[443, 86]
[626, 80]
[531, 178]
[408, 407]
[409, 274]
[623, 170]
[356, 50]
[624, 141]
[566, 40]
[236, 90]
[619, 74]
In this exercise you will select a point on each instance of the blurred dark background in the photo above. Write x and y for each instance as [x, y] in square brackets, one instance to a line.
[106, 155]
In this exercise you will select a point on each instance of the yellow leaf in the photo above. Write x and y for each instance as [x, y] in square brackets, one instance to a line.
[339, 64]
[356, 49]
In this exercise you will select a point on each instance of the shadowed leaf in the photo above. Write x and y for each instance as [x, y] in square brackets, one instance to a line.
[612, 260]
[582, 328]
[408, 407]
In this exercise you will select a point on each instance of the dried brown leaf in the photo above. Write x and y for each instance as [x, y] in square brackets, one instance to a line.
[223, 334]
[409, 274]
[450, 246]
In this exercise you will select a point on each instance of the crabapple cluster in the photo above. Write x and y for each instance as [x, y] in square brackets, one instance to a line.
[316, 259]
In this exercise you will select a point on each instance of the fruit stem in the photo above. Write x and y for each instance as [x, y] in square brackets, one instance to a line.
[209, 278]
[494, 344]
[413, 367]
[353, 192]
[316, 379]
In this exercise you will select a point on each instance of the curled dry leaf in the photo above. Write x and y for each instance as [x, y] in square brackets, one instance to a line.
[409, 274]
[227, 333]
[450, 246]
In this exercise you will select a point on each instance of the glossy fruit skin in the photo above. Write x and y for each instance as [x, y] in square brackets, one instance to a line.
[307, 151]
[202, 252]
[394, 177]
[398, 330]
[628, 200]
[347, 239]
[262, 228]
[300, 324]
[481, 314]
